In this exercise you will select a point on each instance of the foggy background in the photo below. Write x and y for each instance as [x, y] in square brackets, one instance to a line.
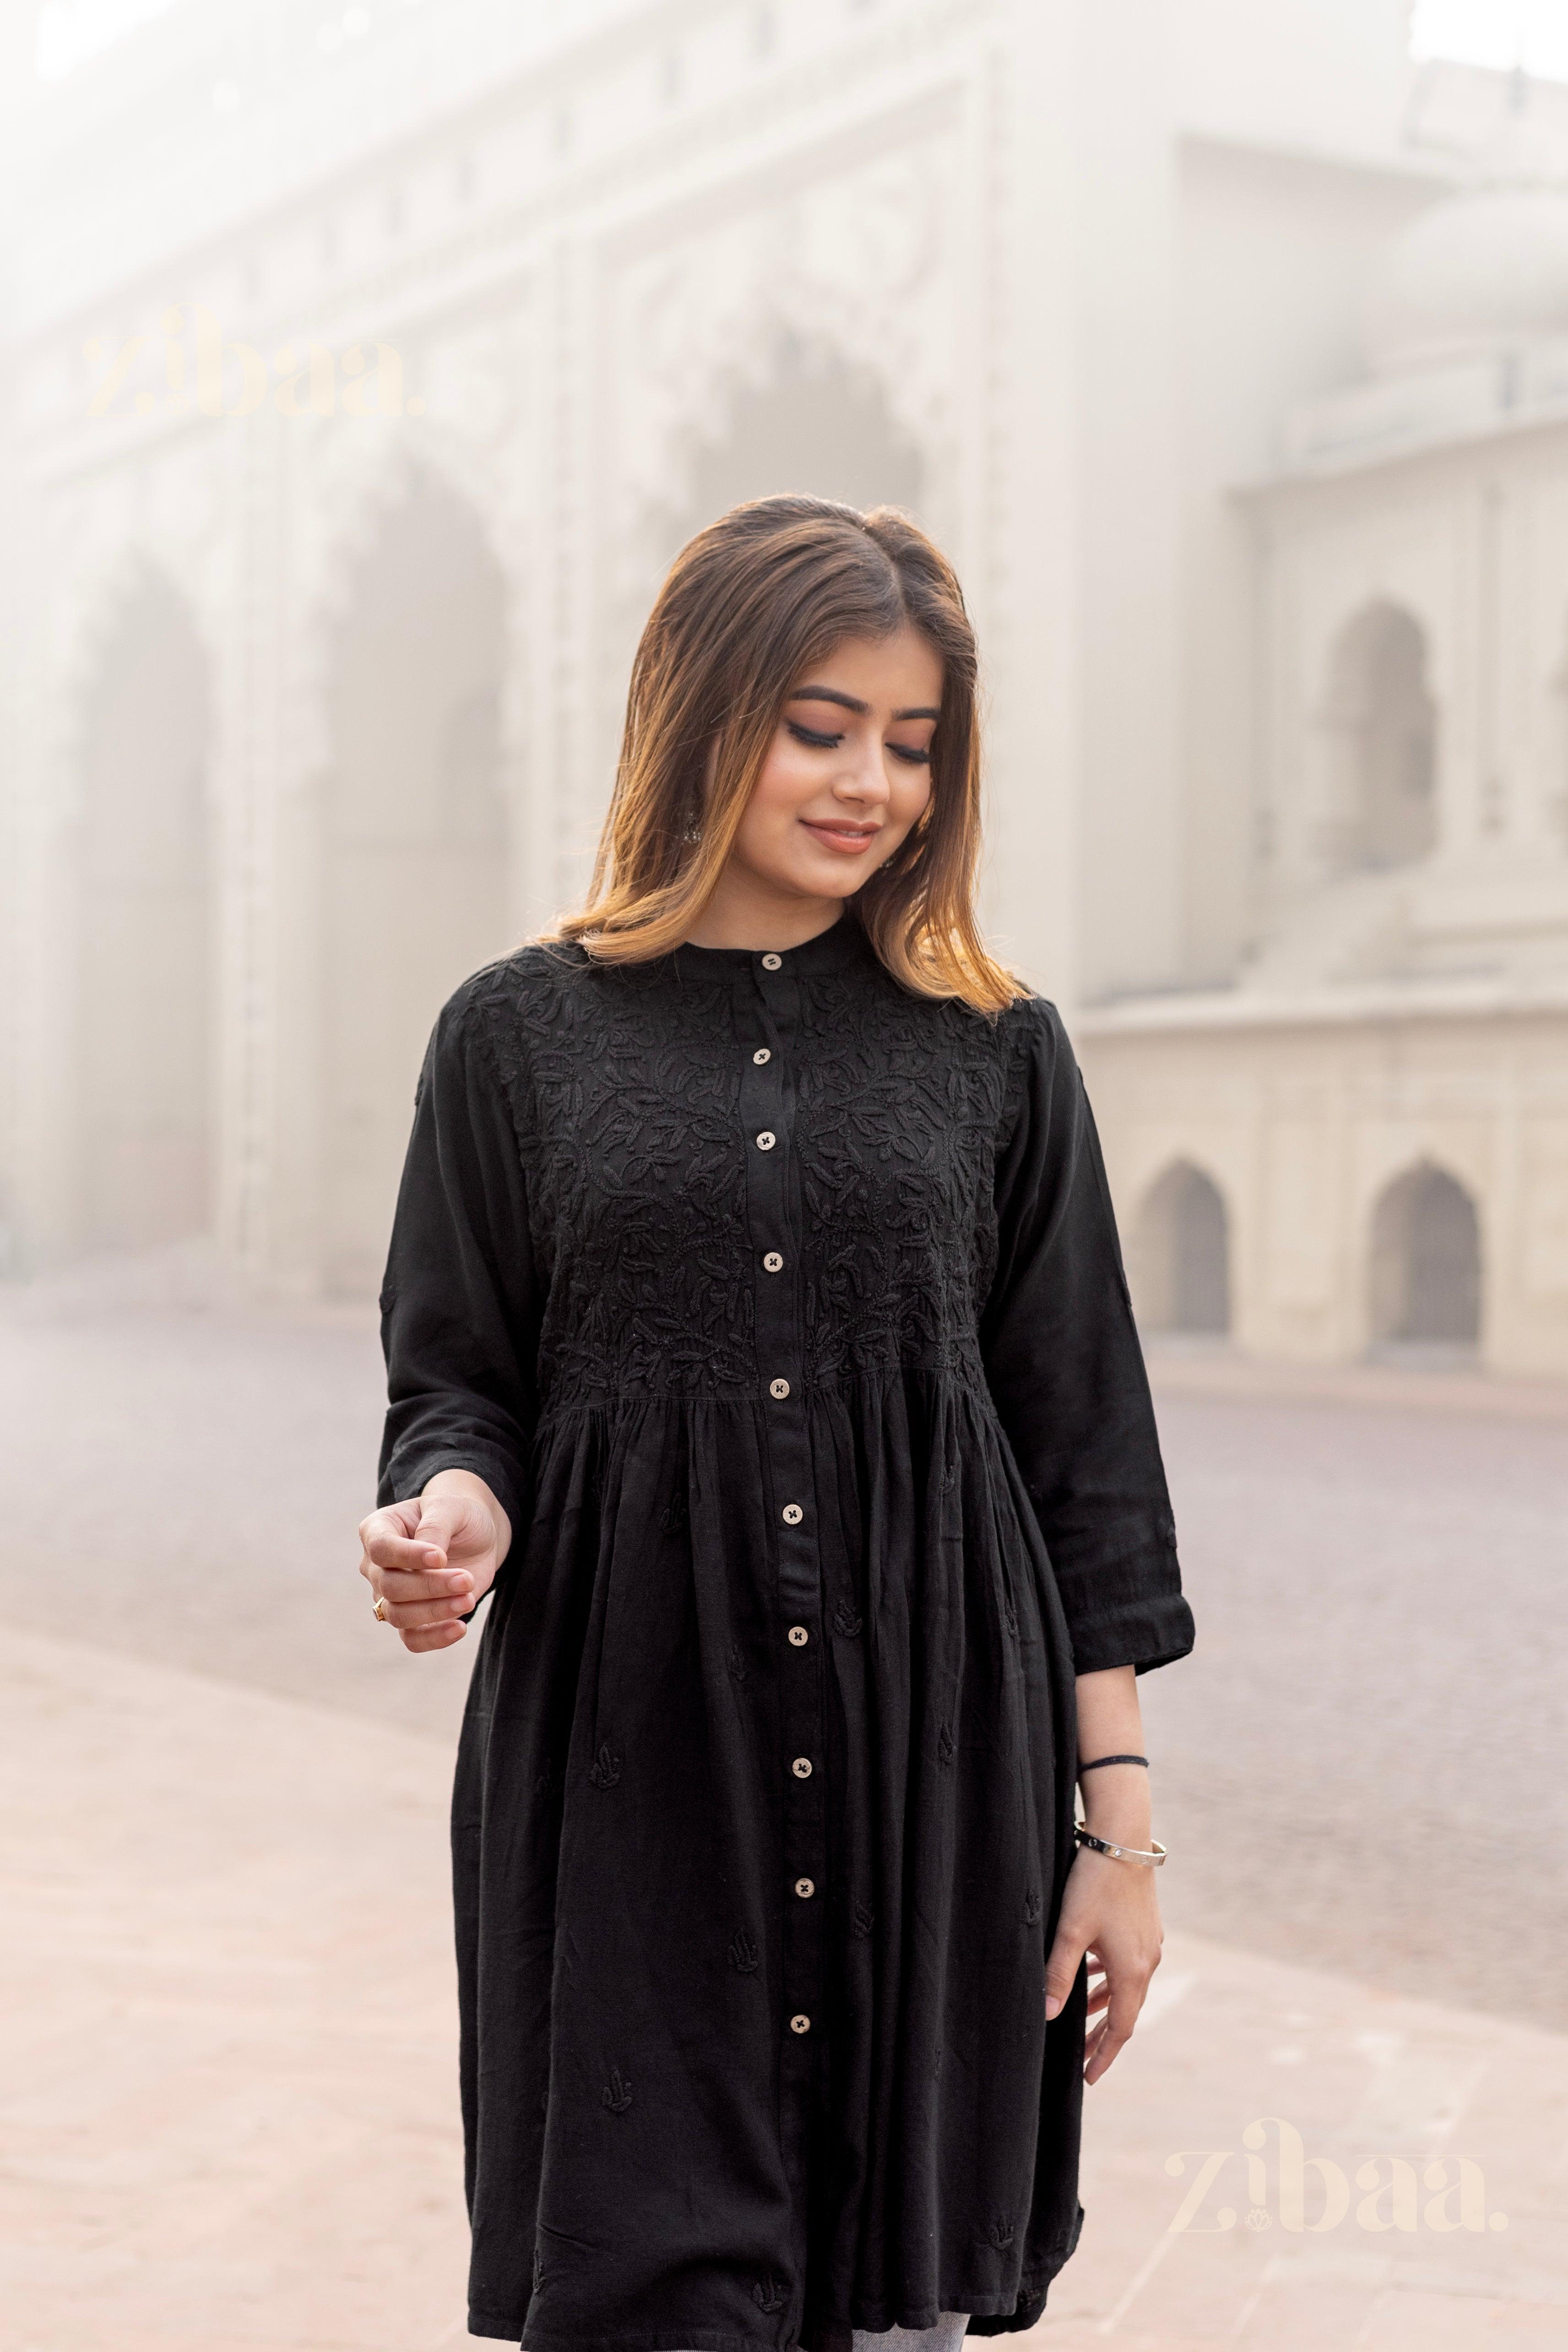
[362, 369]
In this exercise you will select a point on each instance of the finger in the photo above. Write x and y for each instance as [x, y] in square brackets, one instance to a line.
[387, 1549]
[411, 1616]
[399, 1584]
[434, 1637]
[1062, 1971]
[439, 1521]
[1116, 2031]
[1098, 1994]
[401, 1518]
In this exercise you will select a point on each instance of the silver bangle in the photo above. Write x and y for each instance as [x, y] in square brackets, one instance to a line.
[1151, 1861]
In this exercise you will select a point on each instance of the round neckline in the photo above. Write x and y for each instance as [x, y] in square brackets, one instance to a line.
[828, 951]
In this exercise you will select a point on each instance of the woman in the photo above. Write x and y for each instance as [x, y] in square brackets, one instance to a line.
[755, 1331]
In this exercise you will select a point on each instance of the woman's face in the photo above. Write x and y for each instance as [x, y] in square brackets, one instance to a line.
[848, 772]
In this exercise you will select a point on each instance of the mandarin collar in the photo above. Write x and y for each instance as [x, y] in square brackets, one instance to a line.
[843, 943]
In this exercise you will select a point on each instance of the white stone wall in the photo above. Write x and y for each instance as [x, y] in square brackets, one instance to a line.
[1304, 1124]
[1050, 270]
[555, 303]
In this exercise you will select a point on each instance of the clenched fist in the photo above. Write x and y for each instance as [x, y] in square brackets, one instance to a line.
[430, 1559]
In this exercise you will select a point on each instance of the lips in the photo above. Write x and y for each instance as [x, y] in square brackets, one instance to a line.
[848, 837]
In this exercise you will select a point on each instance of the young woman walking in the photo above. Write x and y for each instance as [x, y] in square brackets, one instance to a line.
[756, 1335]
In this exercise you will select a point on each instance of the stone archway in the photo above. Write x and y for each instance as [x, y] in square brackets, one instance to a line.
[816, 425]
[1425, 1262]
[413, 845]
[142, 859]
[1179, 1264]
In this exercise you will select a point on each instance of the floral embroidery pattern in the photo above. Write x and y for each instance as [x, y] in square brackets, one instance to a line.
[846, 1620]
[999, 2234]
[744, 1955]
[863, 1919]
[1033, 1907]
[617, 2092]
[768, 2294]
[634, 1158]
[605, 1769]
[737, 1662]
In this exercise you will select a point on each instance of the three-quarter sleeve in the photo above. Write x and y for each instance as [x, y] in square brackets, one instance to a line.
[460, 1308]
[1066, 1370]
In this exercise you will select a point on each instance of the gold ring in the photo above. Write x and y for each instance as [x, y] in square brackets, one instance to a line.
[380, 1612]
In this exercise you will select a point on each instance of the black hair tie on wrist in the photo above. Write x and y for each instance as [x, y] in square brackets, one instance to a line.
[1111, 1759]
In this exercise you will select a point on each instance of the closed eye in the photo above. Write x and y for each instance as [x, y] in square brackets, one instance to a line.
[818, 742]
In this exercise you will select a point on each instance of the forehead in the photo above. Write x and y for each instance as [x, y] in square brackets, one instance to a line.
[895, 672]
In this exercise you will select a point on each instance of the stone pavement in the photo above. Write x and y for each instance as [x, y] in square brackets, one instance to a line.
[228, 2105]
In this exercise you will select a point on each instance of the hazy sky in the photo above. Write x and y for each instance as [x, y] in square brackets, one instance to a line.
[1501, 33]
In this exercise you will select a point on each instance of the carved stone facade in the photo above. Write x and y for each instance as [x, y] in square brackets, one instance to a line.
[1375, 1109]
[363, 370]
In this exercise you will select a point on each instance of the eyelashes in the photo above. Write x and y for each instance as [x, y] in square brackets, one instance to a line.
[814, 741]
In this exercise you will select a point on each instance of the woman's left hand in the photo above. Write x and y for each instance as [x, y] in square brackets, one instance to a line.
[1110, 1914]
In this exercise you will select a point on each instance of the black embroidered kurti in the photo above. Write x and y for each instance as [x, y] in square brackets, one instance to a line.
[783, 1311]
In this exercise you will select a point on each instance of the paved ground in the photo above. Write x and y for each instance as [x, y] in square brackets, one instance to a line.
[226, 2109]
[1364, 1758]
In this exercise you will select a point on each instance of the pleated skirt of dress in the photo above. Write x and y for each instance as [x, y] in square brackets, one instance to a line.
[621, 1838]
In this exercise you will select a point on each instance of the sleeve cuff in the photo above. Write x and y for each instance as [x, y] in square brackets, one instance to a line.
[1143, 1629]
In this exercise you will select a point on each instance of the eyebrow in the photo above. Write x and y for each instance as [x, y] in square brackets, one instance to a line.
[850, 702]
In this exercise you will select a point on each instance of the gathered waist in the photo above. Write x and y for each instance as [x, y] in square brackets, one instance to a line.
[957, 1381]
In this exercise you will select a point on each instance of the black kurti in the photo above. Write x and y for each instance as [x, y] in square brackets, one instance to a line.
[783, 1311]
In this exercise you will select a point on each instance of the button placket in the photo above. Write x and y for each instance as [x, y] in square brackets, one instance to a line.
[768, 1109]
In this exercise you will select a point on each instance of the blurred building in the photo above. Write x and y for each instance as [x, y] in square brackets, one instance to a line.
[363, 367]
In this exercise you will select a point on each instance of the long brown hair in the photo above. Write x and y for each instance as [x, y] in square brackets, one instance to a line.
[750, 604]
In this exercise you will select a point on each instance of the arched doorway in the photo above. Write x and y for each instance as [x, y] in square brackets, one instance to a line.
[1180, 1260]
[414, 847]
[1384, 725]
[144, 1008]
[818, 426]
[1425, 1262]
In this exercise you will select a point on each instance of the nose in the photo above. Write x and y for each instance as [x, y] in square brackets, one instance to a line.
[863, 776]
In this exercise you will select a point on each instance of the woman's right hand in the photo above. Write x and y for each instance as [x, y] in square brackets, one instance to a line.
[429, 1559]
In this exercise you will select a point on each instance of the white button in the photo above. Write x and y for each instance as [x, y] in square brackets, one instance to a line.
[799, 2025]
[792, 1514]
[763, 1054]
[773, 1262]
[771, 962]
[801, 1767]
[805, 1888]
[779, 1388]
[766, 1139]
[799, 1635]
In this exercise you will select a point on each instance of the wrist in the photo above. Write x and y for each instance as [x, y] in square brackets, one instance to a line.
[1123, 1812]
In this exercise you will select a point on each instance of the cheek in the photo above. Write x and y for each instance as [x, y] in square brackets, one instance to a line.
[790, 776]
[909, 795]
